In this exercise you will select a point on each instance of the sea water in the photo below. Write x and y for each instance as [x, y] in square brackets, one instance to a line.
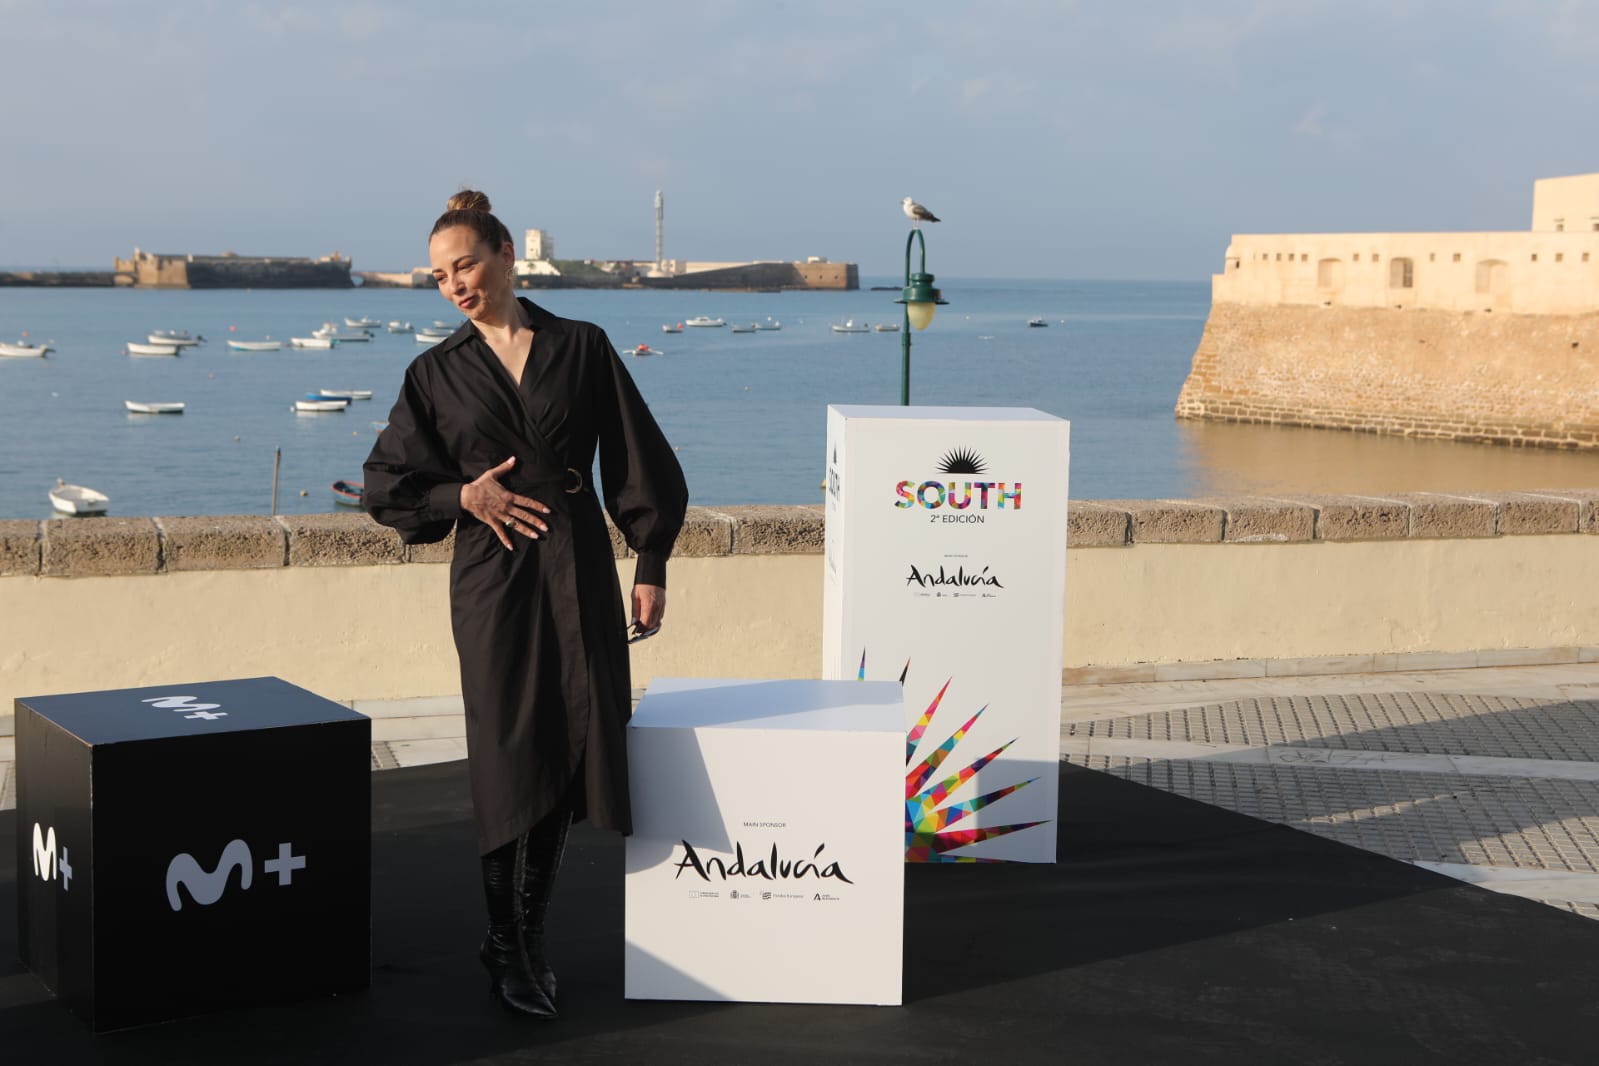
[746, 411]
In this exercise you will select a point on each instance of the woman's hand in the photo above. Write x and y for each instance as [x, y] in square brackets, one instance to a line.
[501, 509]
[649, 605]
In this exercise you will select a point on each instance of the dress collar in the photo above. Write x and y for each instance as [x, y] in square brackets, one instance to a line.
[538, 319]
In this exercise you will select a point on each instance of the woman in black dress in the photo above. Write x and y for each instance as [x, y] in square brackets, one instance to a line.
[494, 435]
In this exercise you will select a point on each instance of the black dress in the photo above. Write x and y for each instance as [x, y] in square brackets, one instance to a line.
[540, 630]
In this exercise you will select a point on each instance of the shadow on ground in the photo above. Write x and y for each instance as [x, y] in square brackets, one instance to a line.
[1168, 931]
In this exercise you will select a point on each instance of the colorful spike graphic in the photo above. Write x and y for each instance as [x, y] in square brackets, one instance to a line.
[928, 817]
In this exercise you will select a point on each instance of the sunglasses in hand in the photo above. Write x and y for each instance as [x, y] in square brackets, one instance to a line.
[637, 631]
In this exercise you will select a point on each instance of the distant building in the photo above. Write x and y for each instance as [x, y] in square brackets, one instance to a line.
[538, 244]
[1551, 269]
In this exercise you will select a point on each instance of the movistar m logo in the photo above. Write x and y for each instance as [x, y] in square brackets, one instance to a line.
[187, 704]
[205, 887]
[50, 863]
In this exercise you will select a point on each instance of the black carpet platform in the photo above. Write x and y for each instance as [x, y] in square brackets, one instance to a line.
[1170, 932]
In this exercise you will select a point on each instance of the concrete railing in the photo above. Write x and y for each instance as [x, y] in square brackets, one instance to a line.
[1156, 589]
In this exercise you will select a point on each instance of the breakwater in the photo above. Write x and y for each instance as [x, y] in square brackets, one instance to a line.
[150, 271]
[68, 279]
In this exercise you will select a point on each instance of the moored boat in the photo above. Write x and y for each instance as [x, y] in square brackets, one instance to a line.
[320, 406]
[142, 408]
[769, 324]
[176, 338]
[643, 349]
[1037, 323]
[669, 328]
[887, 327]
[704, 320]
[344, 394]
[23, 350]
[348, 493]
[139, 348]
[362, 323]
[399, 327]
[255, 346]
[313, 342]
[76, 499]
[744, 329]
[431, 336]
[851, 326]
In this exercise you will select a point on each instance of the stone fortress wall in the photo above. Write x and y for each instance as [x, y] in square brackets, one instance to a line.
[1471, 336]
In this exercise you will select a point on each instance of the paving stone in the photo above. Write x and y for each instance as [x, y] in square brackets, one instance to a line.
[1358, 517]
[20, 546]
[1435, 514]
[222, 542]
[1263, 520]
[97, 547]
[1097, 524]
[340, 540]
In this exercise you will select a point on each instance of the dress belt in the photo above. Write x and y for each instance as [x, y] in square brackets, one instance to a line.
[569, 481]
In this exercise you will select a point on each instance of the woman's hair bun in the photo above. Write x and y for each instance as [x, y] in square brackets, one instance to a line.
[468, 200]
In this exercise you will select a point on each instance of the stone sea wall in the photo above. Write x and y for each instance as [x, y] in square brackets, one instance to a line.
[1530, 380]
[1156, 589]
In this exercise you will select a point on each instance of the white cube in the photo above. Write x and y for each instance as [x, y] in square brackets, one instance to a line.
[945, 568]
[767, 857]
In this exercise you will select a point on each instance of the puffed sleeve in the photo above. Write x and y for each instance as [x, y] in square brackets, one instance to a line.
[412, 484]
[643, 484]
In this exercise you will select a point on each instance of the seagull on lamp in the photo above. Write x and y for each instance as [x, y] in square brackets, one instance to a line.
[916, 212]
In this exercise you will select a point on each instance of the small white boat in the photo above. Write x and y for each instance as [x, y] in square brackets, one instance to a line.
[887, 327]
[138, 408]
[851, 326]
[1037, 323]
[350, 336]
[643, 349]
[362, 323]
[669, 328]
[704, 320]
[137, 348]
[399, 327]
[23, 350]
[312, 342]
[769, 324]
[255, 346]
[173, 337]
[75, 499]
[431, 336]
[447, 327]
[744, 329]
[320, 406]
[345, 394]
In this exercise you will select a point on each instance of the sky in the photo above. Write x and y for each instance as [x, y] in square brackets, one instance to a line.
[1098, 139]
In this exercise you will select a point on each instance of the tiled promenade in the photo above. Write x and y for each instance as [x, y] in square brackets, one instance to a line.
[1488, 774]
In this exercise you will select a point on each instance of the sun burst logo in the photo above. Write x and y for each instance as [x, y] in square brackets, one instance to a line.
[962, 461]
[929, 820]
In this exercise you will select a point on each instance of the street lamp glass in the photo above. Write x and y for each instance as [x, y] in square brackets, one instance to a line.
[920, 313]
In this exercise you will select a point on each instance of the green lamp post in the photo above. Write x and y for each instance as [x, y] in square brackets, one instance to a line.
[920, 300]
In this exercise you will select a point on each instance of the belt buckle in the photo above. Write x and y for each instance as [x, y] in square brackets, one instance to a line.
[577, 481]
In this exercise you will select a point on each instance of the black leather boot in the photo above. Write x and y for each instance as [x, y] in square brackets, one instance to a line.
[512, 972]
[546, 846]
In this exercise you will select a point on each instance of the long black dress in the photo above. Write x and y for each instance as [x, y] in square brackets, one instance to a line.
[540, 630]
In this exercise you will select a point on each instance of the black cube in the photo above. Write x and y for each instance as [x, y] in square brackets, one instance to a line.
[183, 848]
